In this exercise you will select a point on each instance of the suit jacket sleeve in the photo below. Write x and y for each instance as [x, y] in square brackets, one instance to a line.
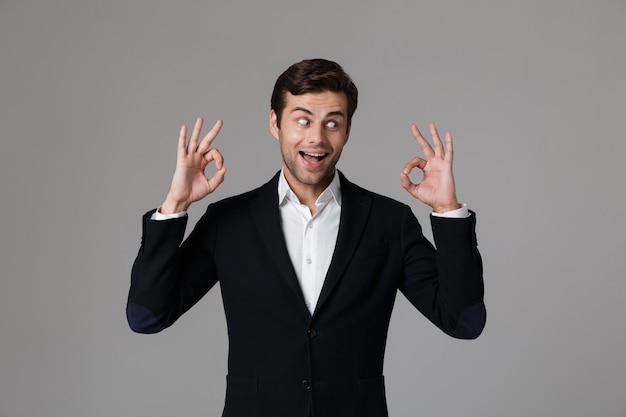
[166, 279]
[448, 289]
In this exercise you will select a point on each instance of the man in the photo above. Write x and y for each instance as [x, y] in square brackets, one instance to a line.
[309, 264]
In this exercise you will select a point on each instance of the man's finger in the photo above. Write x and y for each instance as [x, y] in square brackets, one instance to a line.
[427, 150]
[409, 185]
[182, 141]
[214, 155]
[209, 137]
[416, 162]
[449, 148]
[216, 179]
[439, 151]
[193, 141]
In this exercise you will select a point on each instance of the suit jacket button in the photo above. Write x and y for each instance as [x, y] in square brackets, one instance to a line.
[306, 384]
[312, 333]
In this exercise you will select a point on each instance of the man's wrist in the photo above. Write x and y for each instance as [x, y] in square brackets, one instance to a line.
[172, 207]
[460, 213]
[158, 215]
[445, 209]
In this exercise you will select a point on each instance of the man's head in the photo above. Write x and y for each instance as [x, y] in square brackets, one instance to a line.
[313, 76]
[312, 107]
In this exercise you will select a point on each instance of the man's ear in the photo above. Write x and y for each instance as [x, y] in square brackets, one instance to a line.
[274, 124]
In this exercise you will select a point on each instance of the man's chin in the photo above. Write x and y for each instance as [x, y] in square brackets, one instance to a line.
[315, 178]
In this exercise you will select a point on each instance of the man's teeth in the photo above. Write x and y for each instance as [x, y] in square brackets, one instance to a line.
[316, 155]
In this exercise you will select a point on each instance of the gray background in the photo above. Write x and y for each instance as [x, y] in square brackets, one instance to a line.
[92, 95]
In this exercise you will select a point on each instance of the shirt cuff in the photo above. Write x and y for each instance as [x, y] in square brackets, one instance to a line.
[158, 216]
[460, 213]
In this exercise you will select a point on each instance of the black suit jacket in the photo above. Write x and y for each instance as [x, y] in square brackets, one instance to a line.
[283, 361]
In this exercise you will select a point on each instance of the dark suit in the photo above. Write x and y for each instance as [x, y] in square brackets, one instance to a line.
[283, 361]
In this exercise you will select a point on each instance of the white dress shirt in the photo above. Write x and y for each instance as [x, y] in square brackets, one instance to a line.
[310, 238]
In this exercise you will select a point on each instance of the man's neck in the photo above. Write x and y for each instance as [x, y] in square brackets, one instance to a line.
[307, 194]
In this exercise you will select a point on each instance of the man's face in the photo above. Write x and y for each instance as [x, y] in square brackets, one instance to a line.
[313, 130]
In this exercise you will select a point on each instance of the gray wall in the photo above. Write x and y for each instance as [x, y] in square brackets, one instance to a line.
[92, 95]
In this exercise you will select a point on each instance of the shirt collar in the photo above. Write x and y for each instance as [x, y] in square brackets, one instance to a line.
[333, 191]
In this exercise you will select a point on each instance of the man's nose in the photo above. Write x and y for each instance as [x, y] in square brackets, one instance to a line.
[317, 134]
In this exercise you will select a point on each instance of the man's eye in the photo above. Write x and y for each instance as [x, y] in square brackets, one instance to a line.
[303, 122]
[332, 124]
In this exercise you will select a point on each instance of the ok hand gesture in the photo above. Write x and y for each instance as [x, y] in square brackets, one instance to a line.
[190, 183]
[437, 186]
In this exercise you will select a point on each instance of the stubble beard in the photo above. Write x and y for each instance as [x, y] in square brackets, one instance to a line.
[321, 176]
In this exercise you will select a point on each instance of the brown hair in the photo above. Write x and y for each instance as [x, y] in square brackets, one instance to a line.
[313, 76]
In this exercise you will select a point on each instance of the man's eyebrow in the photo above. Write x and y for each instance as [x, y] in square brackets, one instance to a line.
[336, 113]
[309, 112]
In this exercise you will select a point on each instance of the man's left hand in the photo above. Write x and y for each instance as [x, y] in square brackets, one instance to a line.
[437, 186]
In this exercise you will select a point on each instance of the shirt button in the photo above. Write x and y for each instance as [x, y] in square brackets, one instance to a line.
[310, 226]
[306, 384]
[309, 261]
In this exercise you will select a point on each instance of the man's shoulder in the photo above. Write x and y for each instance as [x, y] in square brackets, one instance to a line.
[352, 190]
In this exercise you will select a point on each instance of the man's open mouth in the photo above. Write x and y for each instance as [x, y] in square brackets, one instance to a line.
[313, 157]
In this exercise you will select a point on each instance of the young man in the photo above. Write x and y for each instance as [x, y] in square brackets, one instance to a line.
[309, 264]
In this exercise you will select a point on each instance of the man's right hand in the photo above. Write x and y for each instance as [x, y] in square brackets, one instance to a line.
[190, 183]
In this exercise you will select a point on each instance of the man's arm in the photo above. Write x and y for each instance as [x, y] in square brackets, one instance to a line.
[446, 284]
[168, 278]
[452, 296]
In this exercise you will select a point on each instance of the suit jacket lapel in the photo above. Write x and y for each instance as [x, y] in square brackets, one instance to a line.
[355, 208]
[264, 209]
